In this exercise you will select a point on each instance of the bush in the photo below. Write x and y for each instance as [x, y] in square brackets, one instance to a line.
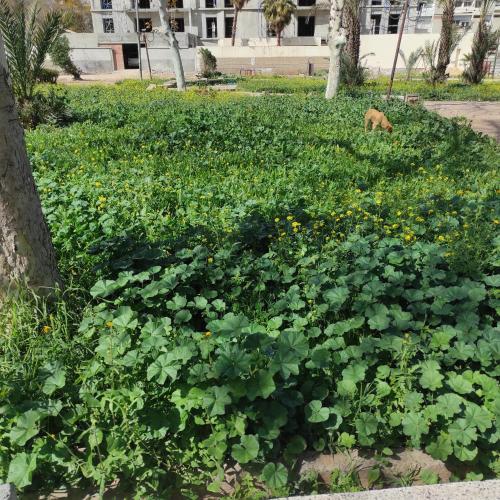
[60, 55]
[48, 76]
[350, 73]
[49, 107]
[208, 64]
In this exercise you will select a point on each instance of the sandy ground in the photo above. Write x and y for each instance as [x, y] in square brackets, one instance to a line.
[484, 116]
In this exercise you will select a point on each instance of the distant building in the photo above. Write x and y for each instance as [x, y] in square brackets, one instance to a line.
[209, 23]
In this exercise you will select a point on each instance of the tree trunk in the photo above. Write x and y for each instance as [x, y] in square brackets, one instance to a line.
[174, 46]
[353, 34]
[336, 41]
[445, 39]
[235, 23]
[26, 252]
[278, 38]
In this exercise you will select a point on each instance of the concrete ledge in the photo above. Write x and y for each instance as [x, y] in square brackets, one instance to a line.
[478, 490]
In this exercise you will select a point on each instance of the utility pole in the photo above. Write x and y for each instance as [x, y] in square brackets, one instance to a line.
[138, 36]
[398, 45]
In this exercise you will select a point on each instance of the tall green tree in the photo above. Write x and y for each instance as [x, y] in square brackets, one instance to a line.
[28, 35]
[446, 39]
[278, 14]
[485, 40]
[238, 6]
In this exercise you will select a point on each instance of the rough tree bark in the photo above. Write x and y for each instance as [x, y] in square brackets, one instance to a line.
[336, 41]
[26, 252]
[174, 46]
[445, 38]
[235, 24]
[353, 30]
[278, 38]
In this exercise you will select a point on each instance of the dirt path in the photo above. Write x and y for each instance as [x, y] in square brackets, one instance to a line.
[484, 116]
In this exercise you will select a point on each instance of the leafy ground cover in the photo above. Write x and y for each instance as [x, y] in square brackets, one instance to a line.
[249, 278]
[450, 91]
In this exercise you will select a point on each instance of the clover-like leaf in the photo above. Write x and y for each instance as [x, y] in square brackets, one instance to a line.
[274, 475]
[247, 450]
[316, 412]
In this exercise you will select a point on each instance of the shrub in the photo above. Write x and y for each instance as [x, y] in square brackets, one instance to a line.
[49, 107]
[60, 54]
[350, 73]
[208, 63]
[48, 75]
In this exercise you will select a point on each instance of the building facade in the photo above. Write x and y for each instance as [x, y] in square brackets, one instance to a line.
[209, 23]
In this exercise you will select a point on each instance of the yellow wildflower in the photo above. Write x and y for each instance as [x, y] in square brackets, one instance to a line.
[98, 184]
[441, 238]
[295, 224]
[46, 329]
[109, 324]
[210, 260]
[277, 219]
[208, 334]
[289, 217]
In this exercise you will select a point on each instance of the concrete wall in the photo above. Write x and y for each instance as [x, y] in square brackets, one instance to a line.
[292, 60]
[94, 60]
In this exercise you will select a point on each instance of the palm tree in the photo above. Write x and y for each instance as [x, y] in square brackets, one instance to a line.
[446, 38]
[278, 14]
[351, 21]
[485, 40]
[26, 252]
[238, 5]
[411, 62]
[28, 36]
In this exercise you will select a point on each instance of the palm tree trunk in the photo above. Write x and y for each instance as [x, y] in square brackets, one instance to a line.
[235, 23]
[336, 41]
[445, 39]
[26, 251]
[353, 34]
[278, 38]
[174, 47]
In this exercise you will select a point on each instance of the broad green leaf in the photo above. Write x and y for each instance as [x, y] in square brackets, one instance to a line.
[54, 375]
[274, 475]
[366, 424]
[293, 341]
[247, 450]
[295, 446]
[316, 412]
[287, 363]
[215, 400]
[21, 469]
[261, 385]
[182, 316]
[378, 317]
[26, 427]
[162, 367]
[459, 384]
[440, 449]
[336, 296]
[427, 476]
[414, 425]
[465, 453]
[461, 431]
[431, 377]
[441, 338]
[449, 404]
[478, 416]
[103, 288]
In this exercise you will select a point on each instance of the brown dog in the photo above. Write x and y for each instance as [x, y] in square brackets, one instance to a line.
[377, 118]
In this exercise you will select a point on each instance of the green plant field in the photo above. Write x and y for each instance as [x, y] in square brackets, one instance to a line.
[249, 278]
[451, 91]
